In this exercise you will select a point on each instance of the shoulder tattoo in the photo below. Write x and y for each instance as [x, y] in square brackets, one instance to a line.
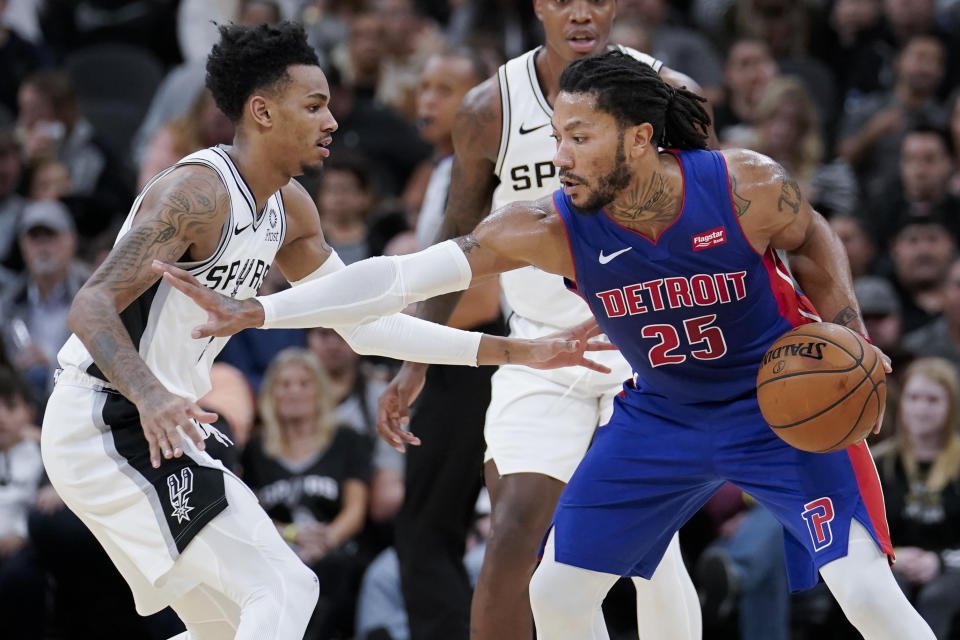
[790, 197]
[740, 204]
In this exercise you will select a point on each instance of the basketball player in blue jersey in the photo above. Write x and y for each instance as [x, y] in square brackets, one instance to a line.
[678, 255]
[123, 438]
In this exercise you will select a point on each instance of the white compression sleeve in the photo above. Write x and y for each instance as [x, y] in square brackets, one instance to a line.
[368, 289]
[401, 336]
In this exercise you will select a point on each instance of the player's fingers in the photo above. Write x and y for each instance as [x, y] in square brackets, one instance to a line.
[154, 448]
[173, 445]
[879, 425]
[200, 414]
[600, 345]
[204, 331]
[162, 267]
[595, 366]
[593, 331]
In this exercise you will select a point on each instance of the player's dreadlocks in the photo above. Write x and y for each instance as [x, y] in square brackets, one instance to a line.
[632, 92]
[251, 58]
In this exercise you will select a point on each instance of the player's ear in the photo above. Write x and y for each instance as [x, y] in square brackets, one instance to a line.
[639, 138]
[538, 9]
[259, 111]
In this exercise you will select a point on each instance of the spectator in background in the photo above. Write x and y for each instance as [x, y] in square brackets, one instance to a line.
[941, 337]
[922, 250]
[312, 478]
[920, 471]
[345, 198]
[410, 39]
[371, 129]
[788, 28]
[870, 134]
[18, 59]
[926, 164]
[855, 38]
[11, 203]
[50, 126]
[676, 46]
[48, 179]
[69, 25]
[21, 584]
[326, 23]
[953, 127]
[858, 243]
[880, 308]
[354, 385]
[905, 19]
[202, 126]
[748, 69]
[36, 305]
[787, 129]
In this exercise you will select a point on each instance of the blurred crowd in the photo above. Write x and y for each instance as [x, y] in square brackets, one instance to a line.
[858, 99]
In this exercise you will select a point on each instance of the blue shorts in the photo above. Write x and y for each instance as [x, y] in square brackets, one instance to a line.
[656, 463]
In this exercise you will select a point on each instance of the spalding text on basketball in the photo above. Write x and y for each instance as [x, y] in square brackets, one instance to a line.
[803, 349]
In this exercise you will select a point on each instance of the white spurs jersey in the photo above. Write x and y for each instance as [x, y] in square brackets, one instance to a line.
[526, 172]
[160, 320]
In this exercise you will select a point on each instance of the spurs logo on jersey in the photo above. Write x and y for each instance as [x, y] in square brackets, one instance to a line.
[180, 487]
[526, 172]
[160, 320]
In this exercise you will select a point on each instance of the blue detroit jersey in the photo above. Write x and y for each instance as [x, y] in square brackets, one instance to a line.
[693, 310]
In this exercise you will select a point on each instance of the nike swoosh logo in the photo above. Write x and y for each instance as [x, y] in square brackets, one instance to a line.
[605, 259]
[524, 132]
[239, 230]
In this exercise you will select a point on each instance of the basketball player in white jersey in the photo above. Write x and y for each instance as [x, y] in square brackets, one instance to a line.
[124, 442]
[539, 425]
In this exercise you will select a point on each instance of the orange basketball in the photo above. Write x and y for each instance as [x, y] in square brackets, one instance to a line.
[821, 387]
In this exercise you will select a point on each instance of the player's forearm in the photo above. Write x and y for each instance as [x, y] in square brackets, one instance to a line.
[93, 318]
[823, 272]
[368, 289]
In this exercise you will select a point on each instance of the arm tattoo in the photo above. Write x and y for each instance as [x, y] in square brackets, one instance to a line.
[789, 192]
[506, 355]
[176, 218]
[467, 243]
[845, 317]
[740, 204]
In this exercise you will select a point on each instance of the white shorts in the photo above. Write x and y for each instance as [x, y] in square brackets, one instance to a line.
[543, 421]
[143, 518]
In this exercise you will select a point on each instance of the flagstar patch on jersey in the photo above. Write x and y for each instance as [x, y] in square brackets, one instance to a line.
[709, 239]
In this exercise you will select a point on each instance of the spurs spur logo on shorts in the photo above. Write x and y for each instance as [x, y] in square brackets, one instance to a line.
[818, 515]
[180, 487]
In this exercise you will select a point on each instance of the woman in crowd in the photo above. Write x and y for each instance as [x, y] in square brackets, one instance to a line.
[312, 478]
[920, 471]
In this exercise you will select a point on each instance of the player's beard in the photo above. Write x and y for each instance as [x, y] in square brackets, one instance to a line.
[609, 185]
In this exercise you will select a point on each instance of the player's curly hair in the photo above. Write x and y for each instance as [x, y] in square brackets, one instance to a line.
[251, 58]
[632, 92]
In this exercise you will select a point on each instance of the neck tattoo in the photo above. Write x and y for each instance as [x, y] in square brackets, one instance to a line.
[648, 208]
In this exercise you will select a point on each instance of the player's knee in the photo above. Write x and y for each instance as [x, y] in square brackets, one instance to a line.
[551, 594]
[867, 601]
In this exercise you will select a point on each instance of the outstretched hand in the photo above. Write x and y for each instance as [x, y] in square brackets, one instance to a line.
[568, 347]
[225, 316]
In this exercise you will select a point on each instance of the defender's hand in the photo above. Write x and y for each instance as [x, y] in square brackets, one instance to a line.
[161, 412]
[393, 413]
[225, 316]
[564, 348]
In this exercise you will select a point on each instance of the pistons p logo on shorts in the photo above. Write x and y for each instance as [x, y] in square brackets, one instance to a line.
[818, 515]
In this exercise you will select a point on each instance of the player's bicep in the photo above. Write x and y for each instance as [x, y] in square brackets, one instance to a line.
[187, 208]
[305, 248]
[792, 215]
[520, 234]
